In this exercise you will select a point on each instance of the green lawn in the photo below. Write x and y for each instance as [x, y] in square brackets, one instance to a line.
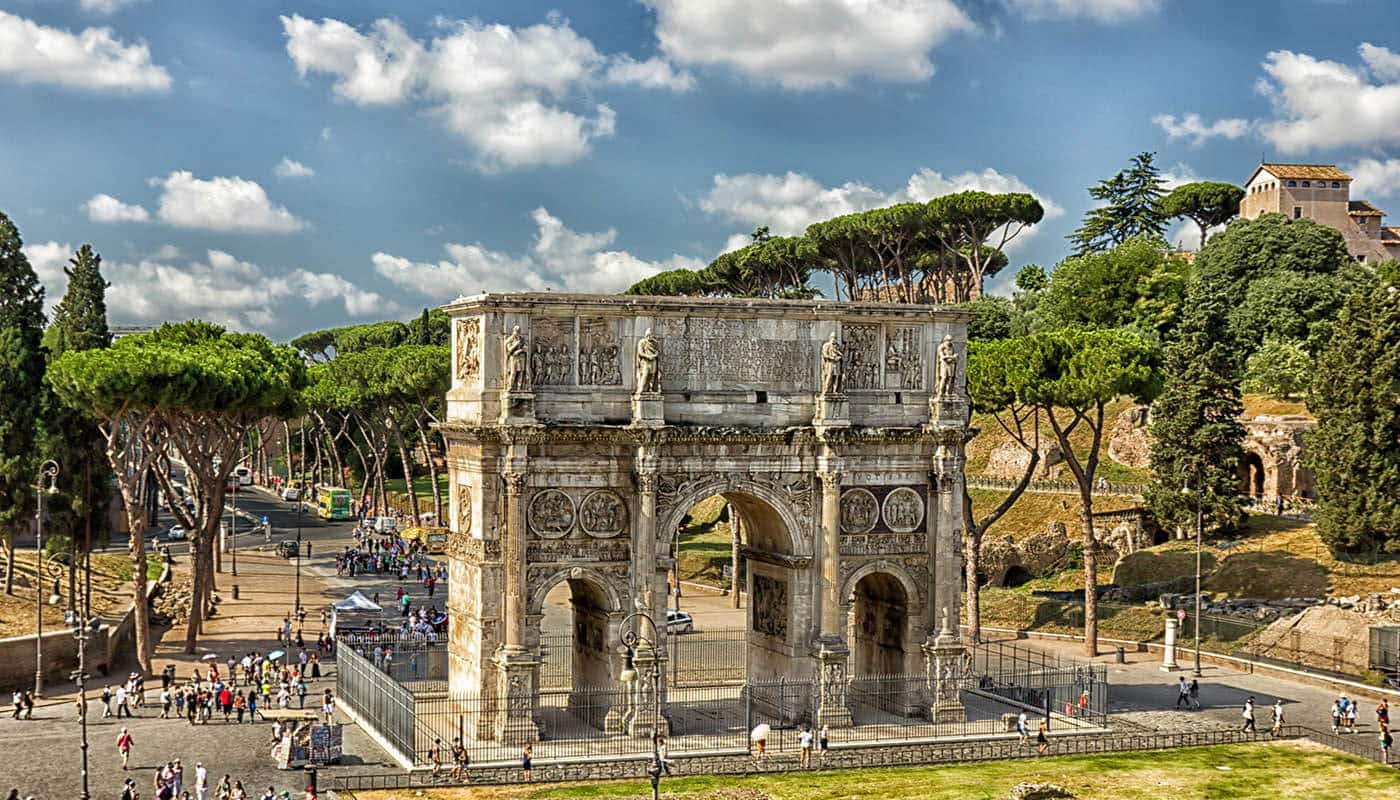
[1275, 771]
[422, 485]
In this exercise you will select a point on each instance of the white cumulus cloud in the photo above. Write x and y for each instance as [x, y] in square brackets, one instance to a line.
[807, 44]
[513, 93]
[106, 208]
[560, 258]
[1326, 104]
[289, 168]
[1099, 10]
[1372, 177]
[92, 59]
[106, 6]
[788, 203]
[1197, 130]
[220, 288]
[221, 204]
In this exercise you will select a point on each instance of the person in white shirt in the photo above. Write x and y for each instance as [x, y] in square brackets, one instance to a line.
[201, 780]
[1023, 727]
[121, 702]
[804, 742]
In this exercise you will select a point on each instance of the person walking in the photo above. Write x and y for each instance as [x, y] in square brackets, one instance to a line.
[1383, 714]
[106, 702]
[1248, 715]
[823, 744]
[460, 760]
[1336, 716]
[201, 780]
[804, 744]
[1183, 692]
[1386, 741]
[1352, 713]
[1277, 726]
[121, 701]
[1195, 694]
[1023, 727]
[525, 763]
[124, 743]
[1042, 740]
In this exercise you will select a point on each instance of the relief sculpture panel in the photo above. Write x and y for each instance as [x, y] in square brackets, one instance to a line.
[862, 356]
[599, 353]
[551, 514]
[904, 363]
[552, 350]
[468, 336]
[859, 511]
[603, 514]
[770, 606]
[903, 510]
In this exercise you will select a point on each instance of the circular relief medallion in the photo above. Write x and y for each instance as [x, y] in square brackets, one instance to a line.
[551, 514]
[903, 510]
[602, 514]
[859, 510]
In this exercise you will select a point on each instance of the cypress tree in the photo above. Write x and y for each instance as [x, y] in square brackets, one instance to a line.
[1355, 449]
[21, 377]
[69, 436]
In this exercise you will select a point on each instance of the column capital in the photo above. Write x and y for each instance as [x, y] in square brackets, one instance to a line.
[515, 483]
[646, 482]
[830, 478]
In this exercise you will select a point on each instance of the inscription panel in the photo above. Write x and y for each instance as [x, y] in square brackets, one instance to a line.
[729, 353]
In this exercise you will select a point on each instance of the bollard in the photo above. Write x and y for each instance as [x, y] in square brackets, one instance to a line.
[235, 591]
[1120, 656]
[1169, 647]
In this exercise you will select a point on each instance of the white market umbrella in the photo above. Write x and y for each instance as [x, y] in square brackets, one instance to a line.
[760, 732]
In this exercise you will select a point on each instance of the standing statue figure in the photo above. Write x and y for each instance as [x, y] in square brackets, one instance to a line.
[947, 368]
[516, 362]
[648, 365]
[833, 362]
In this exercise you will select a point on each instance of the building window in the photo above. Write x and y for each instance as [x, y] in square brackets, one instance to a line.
[1306, 184]
[1292, 183]
[1297, 212]
[1361, 259]
[1336, 185]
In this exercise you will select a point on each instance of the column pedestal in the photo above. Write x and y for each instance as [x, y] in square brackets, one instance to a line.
[517, 408]
[515, 719]
[833, 411]
[648, 410]
[646, 717]
[948, 412]
[832, 710]
[943, 660]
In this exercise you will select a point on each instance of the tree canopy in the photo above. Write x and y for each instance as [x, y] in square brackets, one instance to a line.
[1206, 203]
[21, 379]
[1138, 284]
[1130, 208]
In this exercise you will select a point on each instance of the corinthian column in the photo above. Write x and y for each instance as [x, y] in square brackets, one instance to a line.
[515, 665]
[832, 653]
[513, 561]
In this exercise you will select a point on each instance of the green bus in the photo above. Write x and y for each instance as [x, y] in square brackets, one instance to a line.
[333, 503]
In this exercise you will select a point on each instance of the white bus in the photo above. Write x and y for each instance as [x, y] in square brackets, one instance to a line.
[242, 476]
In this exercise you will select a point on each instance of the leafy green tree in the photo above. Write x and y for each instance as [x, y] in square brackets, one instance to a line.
[1355, 448]
[355, 338]
[1130, 208]
[977, 226]
[991, 366]
[672, 283]
[432, 327]
[993, 318]
[1293, 307]
[1139, 284]
[21, 380]
[69, 436]
[1195, 421]
[1279, 368]
[843, 248]
[1206, 203]
[1032, 278]
[1069, 376]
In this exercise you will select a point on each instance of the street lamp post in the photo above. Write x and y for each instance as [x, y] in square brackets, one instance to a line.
[80, 632]
[632, 638]
[1200, 528]
[233, 530]
[297, 609]
[47, 470]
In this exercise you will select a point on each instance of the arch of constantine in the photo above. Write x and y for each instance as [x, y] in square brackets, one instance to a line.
[581, 429]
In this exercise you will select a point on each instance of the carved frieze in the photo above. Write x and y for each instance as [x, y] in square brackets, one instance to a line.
[770, 606]
[541, 551]
[551, 514]
[862, 355]
[903, 510]
[468, 342]
[473, 550]
[730, 352]
[904, 357]
[859, 511]
[603, 514]
[552, 350]
[599, 353]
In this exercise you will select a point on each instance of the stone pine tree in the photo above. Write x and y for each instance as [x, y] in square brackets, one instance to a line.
[21, 377]
[1195, 421]
[70, 436]
[1206, 203]
[1355, 449]
[1130, 208]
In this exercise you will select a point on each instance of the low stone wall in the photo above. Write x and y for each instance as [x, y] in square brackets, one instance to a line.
[740, 762]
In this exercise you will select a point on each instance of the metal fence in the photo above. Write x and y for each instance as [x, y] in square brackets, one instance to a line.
[700, 658]
[375, 697]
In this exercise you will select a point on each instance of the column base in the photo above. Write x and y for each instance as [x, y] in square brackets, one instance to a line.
[517, 408]
[833, 411]
[648, 713]
[832, 711]
[515, 718]
[648, 410]
[943, 659]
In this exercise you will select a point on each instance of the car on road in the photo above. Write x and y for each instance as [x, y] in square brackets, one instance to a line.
[384, 525]
[679, 621]
[291, 494]
[176, 533]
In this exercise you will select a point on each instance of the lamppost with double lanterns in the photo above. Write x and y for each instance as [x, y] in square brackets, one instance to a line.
[48, 474]
[632, 639]
[1200, 528]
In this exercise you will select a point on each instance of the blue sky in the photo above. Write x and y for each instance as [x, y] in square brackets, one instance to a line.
[283, 166]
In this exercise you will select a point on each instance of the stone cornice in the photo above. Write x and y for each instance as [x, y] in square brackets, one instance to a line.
[562, 303]
[626, 436]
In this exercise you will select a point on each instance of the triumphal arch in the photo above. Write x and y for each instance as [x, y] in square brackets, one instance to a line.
[581, 429]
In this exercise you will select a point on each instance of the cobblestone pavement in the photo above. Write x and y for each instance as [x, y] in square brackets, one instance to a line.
[42, 756]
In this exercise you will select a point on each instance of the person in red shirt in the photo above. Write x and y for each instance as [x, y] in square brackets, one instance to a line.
[124, 743]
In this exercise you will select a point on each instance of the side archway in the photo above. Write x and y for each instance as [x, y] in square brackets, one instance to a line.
[584, 656]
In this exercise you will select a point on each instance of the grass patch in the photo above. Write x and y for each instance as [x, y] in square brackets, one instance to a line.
[1256, 404]
[1012, 608]
[979, 450]
[422, 486]
[1032, 513]
[1230, 772]
[703, 543]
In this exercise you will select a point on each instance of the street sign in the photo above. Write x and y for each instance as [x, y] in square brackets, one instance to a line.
[264, 519]
[1181, 615]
